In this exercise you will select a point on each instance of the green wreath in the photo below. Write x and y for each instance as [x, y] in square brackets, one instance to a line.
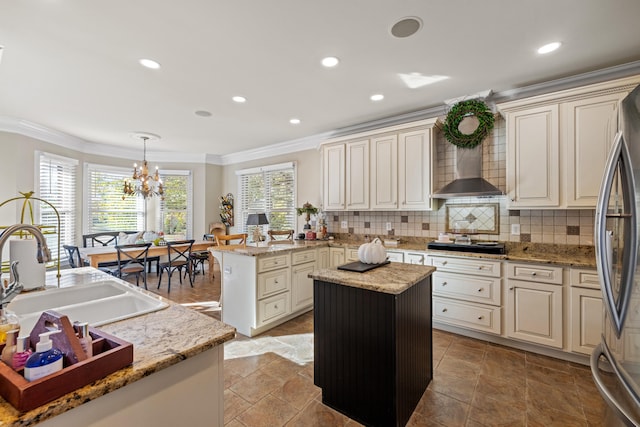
[461, 110]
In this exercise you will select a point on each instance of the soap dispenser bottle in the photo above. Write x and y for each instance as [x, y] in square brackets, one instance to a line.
[85, 338]
[22, 353]
[45, 361]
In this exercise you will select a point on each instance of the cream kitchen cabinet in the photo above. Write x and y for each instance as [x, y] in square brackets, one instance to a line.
[357, 175]
[557, 144]
[336, 257]
[385, 169]
[467, 292]
[395, 256]
[303, 264]
[323, 258]
[534, 298]
[333, 177]
[587, 314]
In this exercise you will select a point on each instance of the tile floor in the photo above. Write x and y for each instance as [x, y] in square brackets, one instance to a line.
[269, 380]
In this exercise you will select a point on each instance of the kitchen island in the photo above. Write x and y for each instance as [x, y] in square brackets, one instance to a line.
[372, 341]
[176, 372]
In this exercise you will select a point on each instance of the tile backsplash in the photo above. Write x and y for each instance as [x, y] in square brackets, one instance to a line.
[574, 227]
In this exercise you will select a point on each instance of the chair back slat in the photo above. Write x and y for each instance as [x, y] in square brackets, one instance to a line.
[73, 256]
[132, 255]
[231, 241]
[275, 234]
[179, 250]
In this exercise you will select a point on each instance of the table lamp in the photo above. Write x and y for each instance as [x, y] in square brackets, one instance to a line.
[258, 220]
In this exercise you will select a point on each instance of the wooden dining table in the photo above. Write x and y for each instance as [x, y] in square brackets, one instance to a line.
[98, 254]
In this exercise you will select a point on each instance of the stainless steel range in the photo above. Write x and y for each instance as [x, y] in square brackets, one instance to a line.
[493, 248]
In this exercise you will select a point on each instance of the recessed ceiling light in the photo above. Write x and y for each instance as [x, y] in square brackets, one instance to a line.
[203, 113]
[548, 48]
[294, 121]
[150, 63]
[330, 61]
[406, 27]
[239, 99]
[377, 97]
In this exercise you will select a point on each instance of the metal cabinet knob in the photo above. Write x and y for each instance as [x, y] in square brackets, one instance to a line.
[444, 310]
[444, 283]
[481, 289]
[511, 288]
[533, 274]
[480, 317]
[444, 262]
[275, 306]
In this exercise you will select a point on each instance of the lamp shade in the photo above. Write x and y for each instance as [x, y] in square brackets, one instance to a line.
[257, 219]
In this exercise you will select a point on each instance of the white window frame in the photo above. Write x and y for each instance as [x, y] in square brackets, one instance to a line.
[64, 201]
[241, 214]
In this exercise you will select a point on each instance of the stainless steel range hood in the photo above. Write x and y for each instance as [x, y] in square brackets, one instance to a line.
[469, 181]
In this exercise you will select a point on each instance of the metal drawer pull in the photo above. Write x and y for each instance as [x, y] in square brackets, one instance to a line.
[444, 262]
[276, 281]
[444, 283]
[533, 274]
[480, 267]
[480, 317]
[275, 306]
[481, 289]
[511, 288]
[444, 310]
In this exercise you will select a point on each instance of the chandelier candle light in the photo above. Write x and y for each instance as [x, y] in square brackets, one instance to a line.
[141, 182]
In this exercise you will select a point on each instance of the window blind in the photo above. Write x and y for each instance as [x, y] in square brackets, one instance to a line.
[105, 208]
[57, 184]
[176, 210]
[270, 189]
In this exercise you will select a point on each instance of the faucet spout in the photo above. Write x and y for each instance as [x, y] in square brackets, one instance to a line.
[43, 255]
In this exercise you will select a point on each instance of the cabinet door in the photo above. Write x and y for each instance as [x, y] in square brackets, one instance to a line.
[533, 157]
[357, 175]
[586, 319]
[333, 170]
[384, 172]
[302, 286]
[415, 170]
[589, 128]
[337, 256]
[323, 258]
[534, 312]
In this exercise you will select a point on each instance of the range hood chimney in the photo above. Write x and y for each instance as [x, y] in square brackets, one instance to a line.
[469, 181]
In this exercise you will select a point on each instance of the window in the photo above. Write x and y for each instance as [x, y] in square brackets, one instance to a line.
[57, 185]
[176, 209]
[269, 189]
[105, 208]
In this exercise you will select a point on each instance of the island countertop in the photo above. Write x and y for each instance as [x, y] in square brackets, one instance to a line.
[160, 339]
[392, 278]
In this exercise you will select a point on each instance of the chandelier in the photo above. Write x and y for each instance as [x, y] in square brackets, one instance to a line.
[141, 183]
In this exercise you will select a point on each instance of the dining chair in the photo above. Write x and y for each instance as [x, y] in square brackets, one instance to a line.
[199, 257]
[132, 259]
[73, 256]
[275, 234]
[231, 241]
[103, 238]
[178, 259]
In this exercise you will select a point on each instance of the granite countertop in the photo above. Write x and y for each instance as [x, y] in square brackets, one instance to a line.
[393, 278]
[540, 253]
[160, 339]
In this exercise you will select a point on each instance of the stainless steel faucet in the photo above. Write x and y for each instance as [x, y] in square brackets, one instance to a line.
[43, 254]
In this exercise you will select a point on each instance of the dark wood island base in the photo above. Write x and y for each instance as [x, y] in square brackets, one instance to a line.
[373, 349]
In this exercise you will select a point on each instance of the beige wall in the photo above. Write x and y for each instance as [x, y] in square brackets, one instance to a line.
[17, 173]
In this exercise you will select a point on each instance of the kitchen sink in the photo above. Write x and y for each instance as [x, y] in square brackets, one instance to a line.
[97, 303]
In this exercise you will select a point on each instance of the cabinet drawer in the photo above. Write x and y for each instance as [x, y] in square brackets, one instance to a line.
[468, 288]
[468, 315]
[395, 256]
[352, 254]
[475, 266]
[299, 257]
[584, 278]
[272, 308]
[273, 282]
[415, 258]
[536, 273]
[272, 262]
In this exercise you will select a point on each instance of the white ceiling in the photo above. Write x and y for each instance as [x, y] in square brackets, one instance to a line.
[72, 66]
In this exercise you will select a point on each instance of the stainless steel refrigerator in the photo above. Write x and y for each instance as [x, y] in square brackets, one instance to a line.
[615, 362]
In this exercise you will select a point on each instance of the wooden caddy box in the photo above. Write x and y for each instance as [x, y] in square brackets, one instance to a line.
[109, 355]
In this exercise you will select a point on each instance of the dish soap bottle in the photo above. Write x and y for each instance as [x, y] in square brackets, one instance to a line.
[10, 347]
[22, 353]
[45, 361]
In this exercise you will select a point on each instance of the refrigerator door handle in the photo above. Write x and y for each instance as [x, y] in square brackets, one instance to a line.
[617, 310]
[607, 396]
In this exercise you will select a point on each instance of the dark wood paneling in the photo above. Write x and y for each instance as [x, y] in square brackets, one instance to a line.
[372, 351]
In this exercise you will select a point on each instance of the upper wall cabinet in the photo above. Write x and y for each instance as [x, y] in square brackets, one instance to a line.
[386, 169]
[558, 143]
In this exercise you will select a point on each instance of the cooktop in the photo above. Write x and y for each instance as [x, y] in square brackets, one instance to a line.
[493, 248]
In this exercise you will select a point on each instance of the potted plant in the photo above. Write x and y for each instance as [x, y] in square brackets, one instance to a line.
[308, 209]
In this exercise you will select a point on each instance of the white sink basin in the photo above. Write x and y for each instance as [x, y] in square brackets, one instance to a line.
[97, 303]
